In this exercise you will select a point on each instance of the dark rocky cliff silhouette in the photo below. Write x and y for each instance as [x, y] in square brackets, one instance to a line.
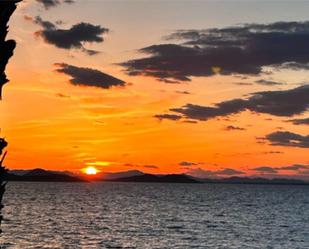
[3, 172]
[7, 7]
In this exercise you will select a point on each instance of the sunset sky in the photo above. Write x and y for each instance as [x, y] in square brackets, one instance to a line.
[213, 88]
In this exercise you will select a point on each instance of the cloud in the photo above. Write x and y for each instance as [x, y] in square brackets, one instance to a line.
[53, 3]
[238, 50]
[272, 152]
[168, 116]
[88, 77]
[147, 166]
[286, 138]
[38, 20]
[304, 173]
[201, 173]
[61, 95]
[234, 128]
[304, 121]
[190, 121]
[268, 170]
[275, 170]
[72, 38]
[294, 66]
[268, 82]
[183, 92]
[151, 166]
[228, 172]
[278, 103]
[187, 164]
[294, 167]
[243, 83]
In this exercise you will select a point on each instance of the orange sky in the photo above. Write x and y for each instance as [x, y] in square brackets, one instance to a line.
[52, 124]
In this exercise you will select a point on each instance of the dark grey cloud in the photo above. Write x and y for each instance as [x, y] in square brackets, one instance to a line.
[294, 167]
[268, 82]
[147, 166]
[243, 83]
[278, 103]
[150, 166]
[198, 172]
[53, 3]
[201, 173]
[72, 38]
[294, 66]
[239, 50]
[61, 95]
[286, 138]
[188, 164]
[183, 92]
[272, 152]
[228, 172]
[190, 121]
[268, 170]
[38, 20]
[275, 170]
[88, 77]
[168, 116]
[304, 121]
[304, 173]
[234, 128]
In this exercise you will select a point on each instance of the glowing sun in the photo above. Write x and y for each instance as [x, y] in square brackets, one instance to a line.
[91, 171]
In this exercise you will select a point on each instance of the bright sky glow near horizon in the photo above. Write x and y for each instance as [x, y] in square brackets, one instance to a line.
[139, 120]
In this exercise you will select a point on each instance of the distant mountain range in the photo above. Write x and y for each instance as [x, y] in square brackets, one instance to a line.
[182, 178]
[173, 178]
[119, 175]
[256, 180]
[138, 176]
[41, 175]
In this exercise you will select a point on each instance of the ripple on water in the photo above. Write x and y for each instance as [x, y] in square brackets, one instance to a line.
[150, 216]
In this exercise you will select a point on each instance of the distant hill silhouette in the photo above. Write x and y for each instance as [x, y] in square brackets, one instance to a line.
[38, 172]
[173, 178]
[41, 175]
[183, 178]
[260, 180]
[124, 174]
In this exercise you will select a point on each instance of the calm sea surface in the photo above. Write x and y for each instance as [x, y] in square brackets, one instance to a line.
[145, 215]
